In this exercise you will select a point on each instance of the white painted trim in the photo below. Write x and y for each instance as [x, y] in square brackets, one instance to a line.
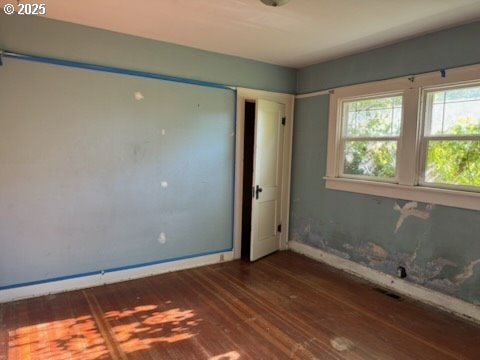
[237, 221]
[431, 195]
[445, 302]
[243, 95]
[287, 172]
[358, 92]
[111, 277]
[313, 94]
[407, 163]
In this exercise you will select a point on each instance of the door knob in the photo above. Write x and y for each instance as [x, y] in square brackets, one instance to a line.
[257, 191]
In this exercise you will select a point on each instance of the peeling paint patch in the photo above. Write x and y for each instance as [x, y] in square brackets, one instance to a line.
[315, 238]
[444, 285]
[338, 253]
[425, 274]
[341, 344]
[423, 258]
[467, 272]
[370, 252]
[138, 95]
[410, 209]
[415, 252]
[308, 229]
[162, 238]
[376, 252]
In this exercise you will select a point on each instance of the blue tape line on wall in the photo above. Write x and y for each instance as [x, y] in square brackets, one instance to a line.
[115, 70]
[74, 64]
[111, 270]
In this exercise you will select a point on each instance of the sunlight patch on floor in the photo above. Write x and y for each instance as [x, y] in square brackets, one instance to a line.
[77, 337]
[232, 355]
[144, 326]
[136, 329]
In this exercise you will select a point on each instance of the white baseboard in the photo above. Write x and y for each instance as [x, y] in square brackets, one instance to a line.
[111, 277]
[445, 302]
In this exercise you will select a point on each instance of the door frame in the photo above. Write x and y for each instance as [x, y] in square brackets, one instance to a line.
[243, 95]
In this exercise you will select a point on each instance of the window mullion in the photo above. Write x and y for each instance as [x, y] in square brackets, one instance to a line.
[409, 140]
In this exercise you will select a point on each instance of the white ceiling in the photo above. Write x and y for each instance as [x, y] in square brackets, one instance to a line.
[300, 33]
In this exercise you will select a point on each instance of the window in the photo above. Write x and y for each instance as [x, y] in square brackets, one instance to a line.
[409, 138]
[452, 137]
[370, 134]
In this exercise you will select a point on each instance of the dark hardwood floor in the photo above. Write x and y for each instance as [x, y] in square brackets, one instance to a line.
[283, 306]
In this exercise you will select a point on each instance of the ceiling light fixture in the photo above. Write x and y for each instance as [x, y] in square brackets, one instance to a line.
[274, 2]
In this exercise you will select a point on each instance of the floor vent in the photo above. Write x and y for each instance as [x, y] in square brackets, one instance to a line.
[388, 293]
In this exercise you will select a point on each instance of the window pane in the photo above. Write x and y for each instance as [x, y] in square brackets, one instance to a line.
[455, 112]
[370, 158]
[373, 117]
[453, 162]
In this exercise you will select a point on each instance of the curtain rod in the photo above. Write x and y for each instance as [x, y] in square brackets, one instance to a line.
[110, 69]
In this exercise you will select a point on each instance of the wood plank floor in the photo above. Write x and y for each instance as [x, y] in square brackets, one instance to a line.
[283, 306]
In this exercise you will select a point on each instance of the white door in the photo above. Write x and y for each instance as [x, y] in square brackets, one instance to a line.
[267, 175]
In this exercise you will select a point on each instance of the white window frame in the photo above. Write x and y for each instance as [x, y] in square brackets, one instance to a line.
[426, 138]
[343, 139]
[411, 149]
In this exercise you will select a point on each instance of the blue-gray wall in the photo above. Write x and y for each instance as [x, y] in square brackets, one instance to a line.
[448, 48]
[442, 252]
[96, 178]
[101, 171]
[39, 36]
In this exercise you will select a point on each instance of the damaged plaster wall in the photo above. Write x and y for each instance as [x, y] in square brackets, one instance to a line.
[439, 246]
[104, 171]
[100, 177]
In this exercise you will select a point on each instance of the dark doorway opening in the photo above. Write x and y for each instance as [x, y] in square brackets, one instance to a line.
[248, 153]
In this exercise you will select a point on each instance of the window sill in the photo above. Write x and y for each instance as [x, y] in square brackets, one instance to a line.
[455, 198]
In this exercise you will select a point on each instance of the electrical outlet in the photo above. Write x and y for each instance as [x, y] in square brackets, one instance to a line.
[401, 272]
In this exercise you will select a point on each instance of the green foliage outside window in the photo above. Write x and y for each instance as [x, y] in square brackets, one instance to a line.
[372, 118]
[371, 158]
[455, 162]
